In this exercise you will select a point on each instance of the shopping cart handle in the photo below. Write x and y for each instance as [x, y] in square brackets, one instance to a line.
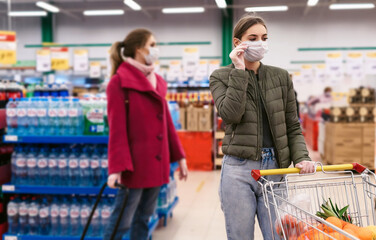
[257, 174]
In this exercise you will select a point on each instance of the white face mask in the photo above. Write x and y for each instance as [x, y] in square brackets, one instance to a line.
[255, 51]
[153, 55]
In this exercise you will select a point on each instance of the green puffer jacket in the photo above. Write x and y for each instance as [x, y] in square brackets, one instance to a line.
[236, 95]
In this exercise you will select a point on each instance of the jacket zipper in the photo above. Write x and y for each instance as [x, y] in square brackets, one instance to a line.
[258, 116]
[232, 137]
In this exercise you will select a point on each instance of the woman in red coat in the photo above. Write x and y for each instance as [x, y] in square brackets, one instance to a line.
[143, 141]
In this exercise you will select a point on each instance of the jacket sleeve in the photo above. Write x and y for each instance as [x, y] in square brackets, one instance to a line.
[230, 100]
[119, 157]
[175, 147]
[297, 145]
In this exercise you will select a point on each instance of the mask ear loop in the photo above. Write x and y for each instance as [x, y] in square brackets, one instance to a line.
[122, 55]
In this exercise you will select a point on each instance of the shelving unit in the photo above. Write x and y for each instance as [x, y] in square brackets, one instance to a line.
[56, 139]
[27, 189]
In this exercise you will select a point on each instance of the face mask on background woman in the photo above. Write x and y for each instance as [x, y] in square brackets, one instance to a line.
[152, 56]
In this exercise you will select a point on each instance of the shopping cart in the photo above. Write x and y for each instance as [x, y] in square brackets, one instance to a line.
[346, 184]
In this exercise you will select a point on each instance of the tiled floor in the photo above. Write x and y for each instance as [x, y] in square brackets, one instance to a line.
[198, 215]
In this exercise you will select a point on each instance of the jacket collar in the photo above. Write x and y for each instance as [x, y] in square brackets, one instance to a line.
[132, 78]
[261, 69]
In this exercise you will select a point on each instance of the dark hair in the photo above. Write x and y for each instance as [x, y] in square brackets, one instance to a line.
[327, 89]
[134, 40]
[246, 22]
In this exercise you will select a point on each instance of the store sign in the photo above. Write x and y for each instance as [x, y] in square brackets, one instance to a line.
[201, 73]
[370, 60]
[334, 67]
[174, 71]
[8, 48]
[60, 59]
[81, 60]
[191, 60]
[355, 65]
[213, 65]
[95, 69]
[43, 60]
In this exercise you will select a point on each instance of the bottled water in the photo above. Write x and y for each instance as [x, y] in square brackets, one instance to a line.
[95, 166]
[175, 114]
[65, 217]
[42, 164]
[84, 213]
[53, 169]
[32, 117]
[162, 199]
[53, 119]
[55, 221]
[44, 218]
[64, 91]
[13, 215]
[33, 216]
[105, 213]
[74, 170]
[11, 113]
[74, 213]
[42, 110]
[63, 167]
[22, 121]
[104, 165]
[63, 117]
[85, 171]
[32, 170]
[24, 216]
[106, 128]
[75, 118]
[15, 155]
[96, 221]
[21, 168]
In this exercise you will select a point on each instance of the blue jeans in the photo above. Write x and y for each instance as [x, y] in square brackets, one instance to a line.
[140, 207]
[242, 199]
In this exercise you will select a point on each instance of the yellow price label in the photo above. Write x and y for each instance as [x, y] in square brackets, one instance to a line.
[8, 57]
[191, 50]
[371, 54]
[59, 64]
[306, 66]
[214, 62]
[355, 55]
[80, 52]
[334, 55]
[43, 52]
[321, 66]
[175, 63]
[203, 62]
[297, 74]
[95, 64]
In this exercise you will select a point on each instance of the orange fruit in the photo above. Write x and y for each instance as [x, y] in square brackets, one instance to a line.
[335, 221]
[365, 234]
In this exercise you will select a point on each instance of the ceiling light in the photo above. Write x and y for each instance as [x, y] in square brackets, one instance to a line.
[103, 12]
[221, 3]
[132, 4]
[48, 7]
[28, 14]
[344, 6]
[267, 9]
[312, 3]
[183, 10]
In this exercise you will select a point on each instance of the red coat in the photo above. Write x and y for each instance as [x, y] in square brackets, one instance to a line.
[143, 140]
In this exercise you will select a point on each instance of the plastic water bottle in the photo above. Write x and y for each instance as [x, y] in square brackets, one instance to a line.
[75, 118]
[104, 165]
[44, 218]
[11, 113]
[64, 217]
[33, 217]
[63, 117]
[95, 166]
[162, 199]
[32, 117]
[84, 213]
[105, 114]
[13, 215]
[74, 170]
[175, 114]
[53, 118]
[74, 213]
[22, 121]
[14, 157]
[55, 221]
[106, 211]
[63, 167]
[42, 110]
[21, 168]
[53, 170]
[24, 216]
[96, 221]
[42, 164]
[85, 171]
[32, 169]
[64, 91]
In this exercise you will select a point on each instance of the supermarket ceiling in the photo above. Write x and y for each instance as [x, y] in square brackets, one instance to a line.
[78, 6]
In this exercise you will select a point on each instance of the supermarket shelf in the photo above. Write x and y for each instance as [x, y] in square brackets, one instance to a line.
[152, 226]
[56, 139]
[168, 212]
[336, 49]
[219, 135]
[27, 189]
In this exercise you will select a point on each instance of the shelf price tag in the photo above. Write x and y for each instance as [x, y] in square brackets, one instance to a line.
[95, 69]
[371, 63]
[8, 47]
[59, 59]
[10, 238]
[43, 60]
[191, 59]
[11, 138]
[9, 188]
[81, 60]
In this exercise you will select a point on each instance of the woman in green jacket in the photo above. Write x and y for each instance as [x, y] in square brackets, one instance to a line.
[257, 104]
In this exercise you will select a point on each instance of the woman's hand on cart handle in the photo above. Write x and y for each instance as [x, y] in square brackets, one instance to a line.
[306, 167]
[114, 179]
[183, 170]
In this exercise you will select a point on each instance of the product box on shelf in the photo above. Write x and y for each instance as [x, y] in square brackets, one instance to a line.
[192, 118]
[205, 118]
[183, 117]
